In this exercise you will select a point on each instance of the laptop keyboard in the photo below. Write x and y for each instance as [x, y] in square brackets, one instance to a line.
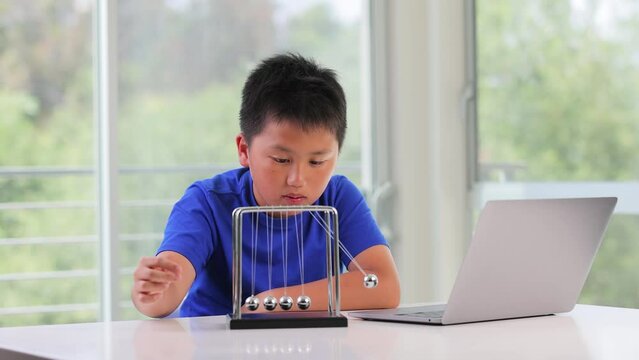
[425, 314]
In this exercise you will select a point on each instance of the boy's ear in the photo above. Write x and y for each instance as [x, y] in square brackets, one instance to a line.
[242, 150]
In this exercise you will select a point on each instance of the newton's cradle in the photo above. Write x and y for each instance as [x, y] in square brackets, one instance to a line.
[298, 313]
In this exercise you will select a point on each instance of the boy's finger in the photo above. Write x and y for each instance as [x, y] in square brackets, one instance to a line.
[148, 298]
[162, 276]
[150, 287]
[154, 275]
[161, 263]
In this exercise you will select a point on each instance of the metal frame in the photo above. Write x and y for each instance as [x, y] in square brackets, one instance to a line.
[332, 255]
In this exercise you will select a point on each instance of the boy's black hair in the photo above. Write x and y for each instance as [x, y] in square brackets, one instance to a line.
[292, 88]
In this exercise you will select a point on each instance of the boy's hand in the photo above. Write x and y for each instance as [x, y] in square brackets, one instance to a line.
[152, 277]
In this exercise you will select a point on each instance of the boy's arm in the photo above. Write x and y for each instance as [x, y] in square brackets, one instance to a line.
[353, 294]
[161, 282]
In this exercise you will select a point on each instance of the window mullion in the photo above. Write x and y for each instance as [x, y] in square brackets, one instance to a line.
[105, 37]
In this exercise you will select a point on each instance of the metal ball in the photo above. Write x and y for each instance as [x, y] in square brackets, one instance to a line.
[252, 302]
[303, 302]
[270, 303]
[370, 281]
[286, 302]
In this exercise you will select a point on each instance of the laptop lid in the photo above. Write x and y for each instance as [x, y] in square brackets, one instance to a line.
[526, 258]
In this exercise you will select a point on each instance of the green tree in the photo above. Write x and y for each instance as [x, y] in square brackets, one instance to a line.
[557, 95]
[181, 66]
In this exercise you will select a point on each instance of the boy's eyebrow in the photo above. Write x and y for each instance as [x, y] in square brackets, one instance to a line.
[285, 149]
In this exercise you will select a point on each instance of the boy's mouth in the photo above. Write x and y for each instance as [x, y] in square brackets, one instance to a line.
[294, 199]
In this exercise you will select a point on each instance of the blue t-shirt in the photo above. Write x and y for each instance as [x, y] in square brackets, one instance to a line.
[200, 228]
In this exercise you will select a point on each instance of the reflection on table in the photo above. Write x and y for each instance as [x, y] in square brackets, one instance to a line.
[589, 332]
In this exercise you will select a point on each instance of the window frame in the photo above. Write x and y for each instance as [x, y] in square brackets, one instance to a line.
[482, 191]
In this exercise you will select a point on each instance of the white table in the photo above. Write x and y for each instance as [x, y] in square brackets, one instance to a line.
[588, 332]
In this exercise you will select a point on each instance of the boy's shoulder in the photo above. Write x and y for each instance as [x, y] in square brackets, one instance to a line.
[229, 182]
[340, 187]
[338, 180]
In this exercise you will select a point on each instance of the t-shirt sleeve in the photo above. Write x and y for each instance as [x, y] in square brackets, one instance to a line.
[190, 228]
[357, 226]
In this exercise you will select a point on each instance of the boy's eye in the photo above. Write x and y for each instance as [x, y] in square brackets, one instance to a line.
[316, 162]
[280, 160]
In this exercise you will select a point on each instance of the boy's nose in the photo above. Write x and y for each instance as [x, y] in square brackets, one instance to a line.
[296, 176]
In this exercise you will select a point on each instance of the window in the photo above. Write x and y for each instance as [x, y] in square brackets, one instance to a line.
[47, 188]
[181, 65]
[558, 117]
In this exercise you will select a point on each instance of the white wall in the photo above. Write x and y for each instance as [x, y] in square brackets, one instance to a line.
[425, 76]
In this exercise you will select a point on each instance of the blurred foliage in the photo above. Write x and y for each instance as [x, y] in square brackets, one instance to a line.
[555, 94]
[556, 98]
[613, 278]
[181, 69]
[557, 88]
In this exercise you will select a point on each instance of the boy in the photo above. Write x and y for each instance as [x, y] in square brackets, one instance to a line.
[293, 122]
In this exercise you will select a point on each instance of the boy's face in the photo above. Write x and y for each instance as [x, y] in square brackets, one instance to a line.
[289, 166]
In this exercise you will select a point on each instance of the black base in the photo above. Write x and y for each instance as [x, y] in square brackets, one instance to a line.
[281, 320]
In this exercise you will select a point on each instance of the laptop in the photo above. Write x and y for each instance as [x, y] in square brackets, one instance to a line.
[526, 258]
